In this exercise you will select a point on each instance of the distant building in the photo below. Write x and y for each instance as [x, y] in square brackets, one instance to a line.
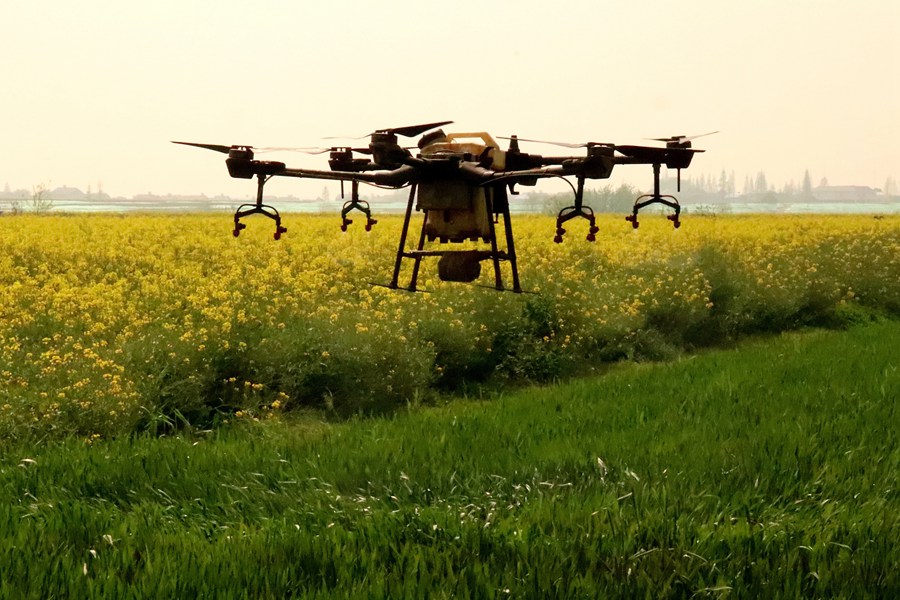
[66, 193]
[845, 193]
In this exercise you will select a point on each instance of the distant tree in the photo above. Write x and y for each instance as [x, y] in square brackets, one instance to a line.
[762, 185]
[604, 200]
[890, 188]
[789, 189]
[806, 186]
[748, 185]
[40, 202]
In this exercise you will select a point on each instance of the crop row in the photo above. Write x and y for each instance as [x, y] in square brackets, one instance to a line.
[110, 325]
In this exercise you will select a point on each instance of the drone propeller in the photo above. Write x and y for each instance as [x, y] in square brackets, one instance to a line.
[214, 147]
[263, 150]
[680, 139]
[304, 150]
[413, 130]
[406, 131]
[562, 144]
[323, 150]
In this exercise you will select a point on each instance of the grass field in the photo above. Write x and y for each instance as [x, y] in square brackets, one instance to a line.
[770, 470]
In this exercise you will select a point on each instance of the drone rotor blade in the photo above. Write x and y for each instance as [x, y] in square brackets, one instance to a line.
[346, 137]
[694, 137]
[414, 130]
[312, 149]
[214, 147]
[406, 131]
[681, 138]
[562, 144]
[305, 150]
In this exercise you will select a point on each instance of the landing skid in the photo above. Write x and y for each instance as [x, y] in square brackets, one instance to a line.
[245, 210]
[656, 198]
[355, 204]
[575, 211]
[493, 195]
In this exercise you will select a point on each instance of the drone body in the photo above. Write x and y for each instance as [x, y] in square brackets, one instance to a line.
[462, 183]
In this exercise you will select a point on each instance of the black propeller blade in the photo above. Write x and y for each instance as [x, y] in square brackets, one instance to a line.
[414, 130]
[680, 139]
[562, 144]
[406, 131]
[306, 150]
[214, 147]
[322, 150]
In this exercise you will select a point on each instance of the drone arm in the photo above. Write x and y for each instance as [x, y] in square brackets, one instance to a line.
[531, 174]
[673, 158]
[575, 167]
[395, 178]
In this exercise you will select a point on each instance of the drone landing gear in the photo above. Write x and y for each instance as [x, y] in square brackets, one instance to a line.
[577, 210]
[355, 204]
[463, 265]
[245, 210]
[656, 198]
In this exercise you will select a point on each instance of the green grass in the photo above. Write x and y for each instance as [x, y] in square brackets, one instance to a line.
[770, 470]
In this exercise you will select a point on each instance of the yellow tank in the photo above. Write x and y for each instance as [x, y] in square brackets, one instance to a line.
[456, 211]
[473, 143]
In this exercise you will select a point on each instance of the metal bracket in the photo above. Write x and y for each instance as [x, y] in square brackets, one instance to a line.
[245, 210]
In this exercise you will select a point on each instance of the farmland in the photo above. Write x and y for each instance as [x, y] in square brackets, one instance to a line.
[115, 325]
[184, 413]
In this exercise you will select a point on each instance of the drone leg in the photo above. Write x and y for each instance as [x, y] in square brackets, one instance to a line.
[362, 206]
[511, 249]
[656, 168]
[403, 233]
[579, 195]
[492, 231]
[261, 181]
[418, 257]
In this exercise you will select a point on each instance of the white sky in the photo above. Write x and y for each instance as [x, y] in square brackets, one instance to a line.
[93, 90]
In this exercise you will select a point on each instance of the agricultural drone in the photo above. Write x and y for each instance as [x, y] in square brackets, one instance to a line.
[462, 182]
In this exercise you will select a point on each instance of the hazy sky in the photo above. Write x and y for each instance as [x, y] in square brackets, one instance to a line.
[92, 91]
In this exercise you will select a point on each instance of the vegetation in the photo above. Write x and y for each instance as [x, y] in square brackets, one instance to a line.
[113, 325]
[168, 398]
[762, 472]
[38, 202]
[607, 199]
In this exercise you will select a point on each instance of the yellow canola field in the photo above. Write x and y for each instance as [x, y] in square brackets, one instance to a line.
[110, 324]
